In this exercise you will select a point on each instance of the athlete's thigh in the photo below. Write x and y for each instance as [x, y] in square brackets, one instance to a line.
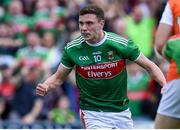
[165, 122]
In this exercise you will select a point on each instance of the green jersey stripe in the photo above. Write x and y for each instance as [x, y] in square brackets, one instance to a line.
[125, 41]
[117, 37]
[76, 44]
[75, 41]
[121, 42]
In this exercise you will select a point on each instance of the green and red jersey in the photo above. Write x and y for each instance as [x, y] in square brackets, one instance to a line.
[101, 71]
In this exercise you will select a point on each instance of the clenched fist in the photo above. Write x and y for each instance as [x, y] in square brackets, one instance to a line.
[42, 89]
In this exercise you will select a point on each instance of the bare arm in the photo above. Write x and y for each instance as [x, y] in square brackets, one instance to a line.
[152, 69]
[163, 33]
[53, 81]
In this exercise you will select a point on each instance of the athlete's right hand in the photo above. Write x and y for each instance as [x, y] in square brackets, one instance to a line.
[41, 89]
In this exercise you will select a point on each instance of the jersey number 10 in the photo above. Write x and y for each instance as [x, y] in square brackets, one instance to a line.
[97, 58]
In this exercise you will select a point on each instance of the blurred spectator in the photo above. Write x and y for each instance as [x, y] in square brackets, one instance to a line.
[41, 14]
[7, 87]
[62, 114]
[56, 11]
[53, 54]
[7, 38]
[119, 26]
[44, 19]
[33, 54]
[9, 45]
[57, 16]
[7, 90]
[140, 29]
[19, 21]
[25, 104]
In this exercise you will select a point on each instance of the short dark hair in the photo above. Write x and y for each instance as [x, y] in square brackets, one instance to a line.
[93, 9]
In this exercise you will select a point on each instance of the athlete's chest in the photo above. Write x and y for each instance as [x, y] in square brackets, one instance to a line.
[98, 63]
[95, 55]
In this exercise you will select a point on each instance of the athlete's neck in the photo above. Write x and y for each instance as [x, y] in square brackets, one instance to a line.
[97, 38]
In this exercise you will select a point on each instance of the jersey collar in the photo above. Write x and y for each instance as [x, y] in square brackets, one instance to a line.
[99, 43]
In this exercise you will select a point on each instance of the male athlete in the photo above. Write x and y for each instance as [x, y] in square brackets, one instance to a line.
[99, 60]
[168, 114]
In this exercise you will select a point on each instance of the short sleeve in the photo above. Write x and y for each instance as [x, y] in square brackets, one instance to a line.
[131, 51]
[66, 60]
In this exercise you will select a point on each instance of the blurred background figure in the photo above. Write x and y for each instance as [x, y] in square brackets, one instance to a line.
[7, 91]
[62, 114]
[140, 27]
[53, 53]
[26, 105]
[119, 26]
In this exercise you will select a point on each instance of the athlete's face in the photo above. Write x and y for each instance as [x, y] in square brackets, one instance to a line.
[91, 27]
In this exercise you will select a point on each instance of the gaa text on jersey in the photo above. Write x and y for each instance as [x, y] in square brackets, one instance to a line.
[82, 58]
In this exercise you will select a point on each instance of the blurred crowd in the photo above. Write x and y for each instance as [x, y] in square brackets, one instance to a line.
[32, 36]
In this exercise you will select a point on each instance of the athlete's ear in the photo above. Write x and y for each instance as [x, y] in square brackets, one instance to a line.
[102, 23]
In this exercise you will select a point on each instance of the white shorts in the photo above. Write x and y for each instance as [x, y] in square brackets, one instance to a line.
[170, 101]
[107, 120]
